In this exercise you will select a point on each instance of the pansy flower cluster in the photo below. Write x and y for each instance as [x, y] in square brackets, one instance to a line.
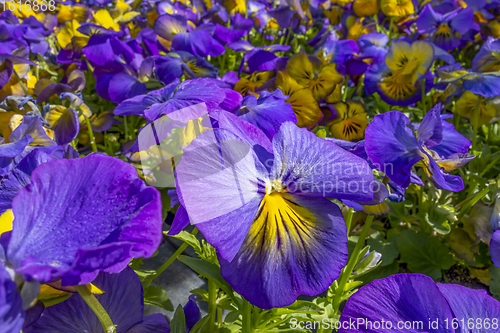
[326, 165]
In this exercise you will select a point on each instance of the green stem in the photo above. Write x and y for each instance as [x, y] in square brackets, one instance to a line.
[91, 133]
[346, 87]
[247, 317]
[390, 29]
[348, 220]
[96, 307]
[21, 82]
[212, 305]
[346, 273]
[472, 202]
[169, 261]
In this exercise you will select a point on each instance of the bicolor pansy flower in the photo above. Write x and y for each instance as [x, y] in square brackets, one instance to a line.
[263, 205]
[349, 121]
[393, 147]
[309, 72]
[445, 30]
[417, 299]
[397, 81]
[174, 34]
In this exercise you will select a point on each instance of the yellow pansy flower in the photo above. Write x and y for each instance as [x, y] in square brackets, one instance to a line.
[311, 73]
[466, 107]
[351, 121]
[397, 8]
[301, 99]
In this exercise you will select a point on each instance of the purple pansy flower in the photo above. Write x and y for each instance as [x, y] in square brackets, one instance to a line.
[102, 216]
[122, 299]
[263, 206]
[176, 64]
[267, 112]
[172, 98]
[392, 146]
[417, 301]
[174, 28]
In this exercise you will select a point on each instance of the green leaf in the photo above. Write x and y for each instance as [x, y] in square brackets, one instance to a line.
[388, 249]
[178, 323]
[424, 254]
[187, 238]
[460, 242]
[157, 296]
[207, 270]
[232, 316]
[301, 307]
[439, 223]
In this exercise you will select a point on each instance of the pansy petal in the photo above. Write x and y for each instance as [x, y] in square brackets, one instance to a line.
[101, 204]
[218, 174]
[268, 113]
[123, 86]
[453, 142]
[11, 310]
[484, 85]
[152, 323]
[296, 245]
[32, 125]
[462, 22]
[471, 305]
[404, 298]
[181, 220]
[441, 179]
[430, 131]
[67, 127]
[392, 147]
[313, 166]
[495, 248]
[19, 177]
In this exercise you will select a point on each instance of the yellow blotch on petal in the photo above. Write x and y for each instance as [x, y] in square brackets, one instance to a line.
[301, 99]
[6, 220]
[397, 8]
[281, 221]
[351, 121]
[466, 107]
